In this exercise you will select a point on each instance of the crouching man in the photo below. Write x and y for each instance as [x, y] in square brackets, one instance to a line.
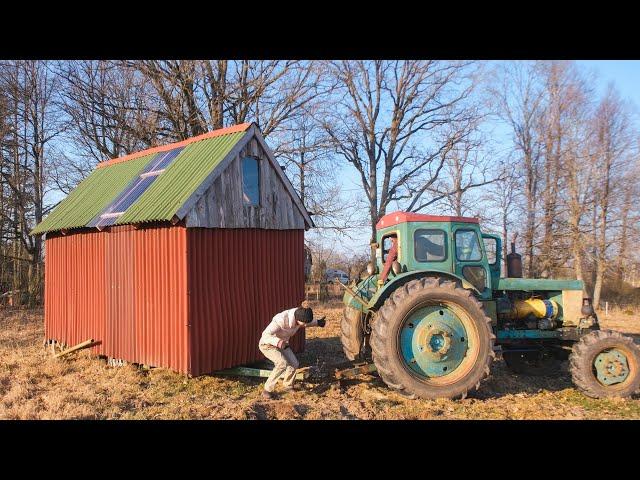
[274, 344]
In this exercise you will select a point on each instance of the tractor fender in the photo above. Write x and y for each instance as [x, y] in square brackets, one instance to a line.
[383, 293]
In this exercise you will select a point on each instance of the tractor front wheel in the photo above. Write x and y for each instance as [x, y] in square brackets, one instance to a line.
[352, 334]
[606, 364]
[432, 339]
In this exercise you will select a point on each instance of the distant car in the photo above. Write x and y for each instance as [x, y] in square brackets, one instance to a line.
[339, 275]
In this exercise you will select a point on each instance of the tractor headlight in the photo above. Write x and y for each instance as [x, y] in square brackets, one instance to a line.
[371, 268]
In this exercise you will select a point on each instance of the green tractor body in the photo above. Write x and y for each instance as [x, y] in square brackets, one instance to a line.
[434, 307]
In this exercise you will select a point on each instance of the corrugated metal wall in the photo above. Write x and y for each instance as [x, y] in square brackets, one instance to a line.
[238, 279]
[123, 286]
[128, 288]
[75, 286]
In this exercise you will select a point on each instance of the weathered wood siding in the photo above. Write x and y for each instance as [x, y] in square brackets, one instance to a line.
[222, 205]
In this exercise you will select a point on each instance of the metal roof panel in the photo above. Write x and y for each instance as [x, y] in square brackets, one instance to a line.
[91, 196]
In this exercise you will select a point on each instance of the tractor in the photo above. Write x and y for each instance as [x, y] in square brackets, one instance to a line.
[433, 309]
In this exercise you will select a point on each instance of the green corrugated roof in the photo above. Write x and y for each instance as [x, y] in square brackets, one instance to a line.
[165, 196]
[92, 196]
[161, 201]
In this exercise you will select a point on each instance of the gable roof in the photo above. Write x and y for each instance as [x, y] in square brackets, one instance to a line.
[198, 161]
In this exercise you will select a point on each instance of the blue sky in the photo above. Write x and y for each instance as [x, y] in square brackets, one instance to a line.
[625, 74]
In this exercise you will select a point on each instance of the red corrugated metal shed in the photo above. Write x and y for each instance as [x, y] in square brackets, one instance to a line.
[166, 294]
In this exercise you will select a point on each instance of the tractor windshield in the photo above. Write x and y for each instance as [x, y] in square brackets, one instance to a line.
[468, 246]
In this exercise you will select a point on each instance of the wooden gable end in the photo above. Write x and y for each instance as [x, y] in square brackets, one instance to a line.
[222, 204]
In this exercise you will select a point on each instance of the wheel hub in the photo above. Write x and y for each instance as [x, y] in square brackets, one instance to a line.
[439, 341]
[611, 367]
[433, 341]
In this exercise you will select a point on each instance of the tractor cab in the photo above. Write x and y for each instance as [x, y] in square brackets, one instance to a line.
[413, 242]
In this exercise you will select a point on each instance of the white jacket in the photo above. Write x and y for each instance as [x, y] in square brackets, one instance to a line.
[283, 326]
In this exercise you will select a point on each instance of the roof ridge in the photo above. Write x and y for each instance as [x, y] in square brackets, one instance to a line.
[170, 146]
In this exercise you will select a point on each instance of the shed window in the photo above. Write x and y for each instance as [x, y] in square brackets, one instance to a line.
[251, 181]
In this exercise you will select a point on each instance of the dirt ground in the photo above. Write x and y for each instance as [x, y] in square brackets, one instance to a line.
[33, 385]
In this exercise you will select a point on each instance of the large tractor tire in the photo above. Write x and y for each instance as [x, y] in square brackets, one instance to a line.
[352, 334]
[432, 339]
[537, 362]
[606, 364]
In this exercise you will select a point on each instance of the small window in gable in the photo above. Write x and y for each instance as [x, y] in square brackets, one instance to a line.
[251, 181]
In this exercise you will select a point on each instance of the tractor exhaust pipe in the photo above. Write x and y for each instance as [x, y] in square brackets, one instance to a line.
[514, 263]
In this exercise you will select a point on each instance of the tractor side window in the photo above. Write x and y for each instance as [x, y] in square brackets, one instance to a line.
[491, 247]
[387, 243]
[429, 245]
[476, 276]
[468, 246]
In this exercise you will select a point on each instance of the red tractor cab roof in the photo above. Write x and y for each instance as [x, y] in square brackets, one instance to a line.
[395, 218]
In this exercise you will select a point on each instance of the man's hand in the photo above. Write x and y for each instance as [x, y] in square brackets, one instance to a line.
[321, 322]
[281, 344]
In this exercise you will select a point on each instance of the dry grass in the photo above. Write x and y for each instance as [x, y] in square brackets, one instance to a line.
[33, 385]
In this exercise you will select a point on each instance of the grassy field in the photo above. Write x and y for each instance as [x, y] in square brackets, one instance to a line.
[33, 385]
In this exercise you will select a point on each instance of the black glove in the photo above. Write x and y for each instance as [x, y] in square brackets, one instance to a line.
[322, 322]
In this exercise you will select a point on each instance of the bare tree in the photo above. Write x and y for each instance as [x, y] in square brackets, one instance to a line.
[194, 96]
[502, 200]
[630, 217]
[578, 172]
[518, 101]
[613, 144]
[565, 113]
[28, 88]
[468, 167]
[305, 153]
[396, 122]
[107, 106]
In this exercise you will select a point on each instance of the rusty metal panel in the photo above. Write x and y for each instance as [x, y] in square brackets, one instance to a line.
[74, 286]
[125, 287]
[238, 279]
[161, 297]
[119, 341]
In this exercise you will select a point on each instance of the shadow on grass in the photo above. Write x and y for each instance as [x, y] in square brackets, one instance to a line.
[325, 355]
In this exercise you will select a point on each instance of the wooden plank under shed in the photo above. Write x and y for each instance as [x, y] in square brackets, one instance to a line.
[301, 373]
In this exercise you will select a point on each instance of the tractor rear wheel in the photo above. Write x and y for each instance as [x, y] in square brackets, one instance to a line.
[432, 339]
[352, 334]
[606, 364]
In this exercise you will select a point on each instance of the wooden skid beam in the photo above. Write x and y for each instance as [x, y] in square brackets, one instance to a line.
[75, 348]
[355, 371]
[301, 373]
